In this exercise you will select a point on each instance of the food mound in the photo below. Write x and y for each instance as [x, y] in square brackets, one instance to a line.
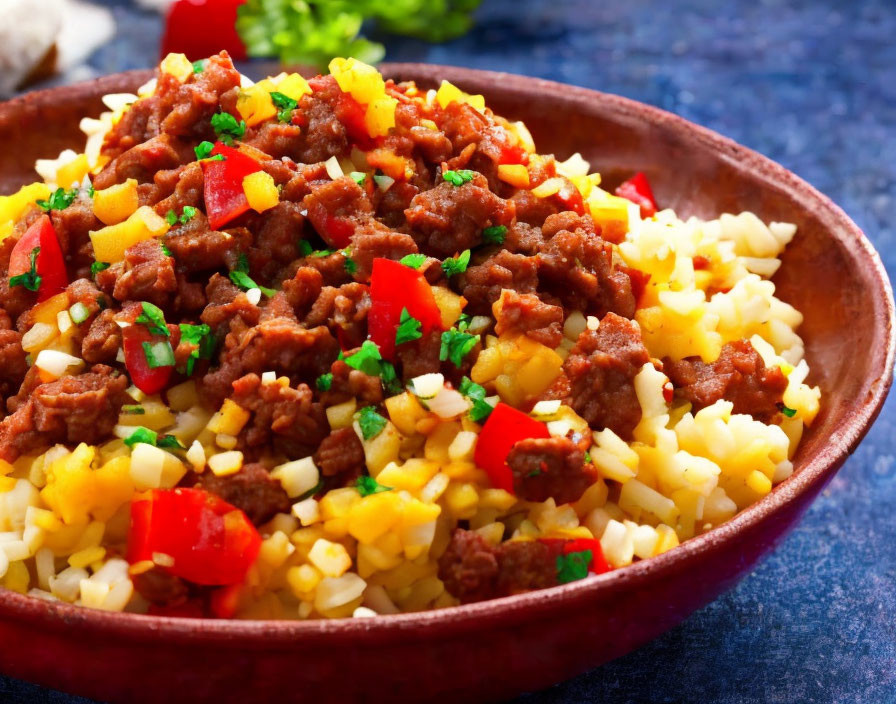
[346, 347]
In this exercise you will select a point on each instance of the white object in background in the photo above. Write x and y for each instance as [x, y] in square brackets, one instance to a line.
[26, 37]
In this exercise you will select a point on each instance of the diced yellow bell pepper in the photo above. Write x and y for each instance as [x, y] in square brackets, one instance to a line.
[255, 105]
[72, 172]
[362, 81]
[177, 65]
[261, 191]
[516, 175]
[449, 93]
[380, 116]
[12, 207]
[114, 204]
[293, 86]
[110, 243]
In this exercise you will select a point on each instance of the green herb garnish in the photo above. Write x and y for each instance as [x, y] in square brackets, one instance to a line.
[459, 177]
[415, 261]
[60, 199]
[227, 128]
[456, 345]
[371, 422]
[350, 265]
[573, 566]
[789, 412]
[358, 177]
[369, 360]
[154, 319]
[30, 279]
[201, 336]
[204, 150]
[133, 410]
[368, 485]
[285, 104]
[324, 382]
[456, 265]
[408, 328]
[240, 277]
[158, 354]
[494, 234]
[481, 409]
[305, 248]
[97, 267]
[199, 66]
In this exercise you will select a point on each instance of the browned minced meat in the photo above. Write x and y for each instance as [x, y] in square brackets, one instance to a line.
[341, 456]
[739, 375]
[344, 310]
[372, 240]
[339, 204]
[348, 383]
[252, 490]
[74, 409]
[160, 587]
[601, 369]
[148, 275]
[482, 284]
[474, 570]
[13, 364]
[282, 416]
[526, 314]
[546, 468]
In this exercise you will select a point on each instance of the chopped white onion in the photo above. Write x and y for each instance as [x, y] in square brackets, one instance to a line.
[449, 403]
[426, 386]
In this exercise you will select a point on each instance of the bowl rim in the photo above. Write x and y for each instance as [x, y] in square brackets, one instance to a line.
[539, 604]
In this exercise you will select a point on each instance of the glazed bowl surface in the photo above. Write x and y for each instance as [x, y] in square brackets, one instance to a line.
[493, 650]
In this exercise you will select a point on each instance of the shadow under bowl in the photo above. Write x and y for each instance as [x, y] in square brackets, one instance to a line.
[493, 650]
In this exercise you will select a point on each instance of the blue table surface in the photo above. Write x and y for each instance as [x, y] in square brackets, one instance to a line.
[813, 86]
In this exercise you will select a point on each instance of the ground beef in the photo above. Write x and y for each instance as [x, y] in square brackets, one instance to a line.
[601, 369]
[448, 219]
[348, 383]
[739, 375]
[330, 266]
[482, 284]
[372, 240]
[546, 468]
[340, 457]
[181, 187]
[344, 311]
[576, 266]
[303, 289]
[73, 226]
[421, 356]
[195, 247]
[252, 490]
[142, 161]
[161, 588]
[148, 275]
[532, 210]
[525, 314]
[276, 242]
[13, 364]
[336, 208]
[72, 410]
[283, 416]
[474, 570]
[226, 304]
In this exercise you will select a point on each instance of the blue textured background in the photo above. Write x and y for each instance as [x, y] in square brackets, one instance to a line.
[813, 86]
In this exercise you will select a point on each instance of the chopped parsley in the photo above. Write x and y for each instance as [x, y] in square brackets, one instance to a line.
[158, 354]
[189, 212]
[204, 150]
[154, 319]
[240, 277]
[368, 485]
[60, 199]
[151, 437]
[459, 177]
[165, 250]
[408, 328]
[371, 422]
[285, 106]
[789, 412]
[324, 382]
[481, 409]
[227, 128]
[463, 321]
[323, 252]
[91, 191]
[30, 279]
[494, 234]
[358, 177]
[587, 458]
[415, 261]
[456, 265]
[573, 566]
[97, 267]
[456, 345]
[201, 336]
[350, 265]
[305, 248]
[369, 360]
[199, 66]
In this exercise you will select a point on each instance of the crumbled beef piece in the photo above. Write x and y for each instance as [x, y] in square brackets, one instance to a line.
[252, 490]
[344, 310]
[284, 416]
[546, 468]
[525, 314]
[532, 210]
[276, 240]
[73, 226]
[371, 241]
[143, 160]
[351, 383]
[227, 303]
[185, 189]
[577, 267]
[336, 209]
[103, 339]
[739, 375]
[325, 136]
[74, 409]
[474, 570]
[448, 219]
[421, 356]
[276, 139]
[340, 457]
[280, 345]
[330, 266]
[482, 284]
[160, 587]
[303, 289]
[13, 363]
[601, 369]
[148, 275]
[195, 247]
[522, 238]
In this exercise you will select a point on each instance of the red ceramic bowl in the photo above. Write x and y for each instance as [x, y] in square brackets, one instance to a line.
[494, 650]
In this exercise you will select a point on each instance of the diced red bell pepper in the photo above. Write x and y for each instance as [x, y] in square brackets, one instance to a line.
[351, 114]
[225, 198]
[148, 379]
[224, 601]
[393, 287]
[503, 429]
[200, 28]
[598, 564]
[637, 190]
[513, 155]
[210, 541]
[50, 264]
[570, 198]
